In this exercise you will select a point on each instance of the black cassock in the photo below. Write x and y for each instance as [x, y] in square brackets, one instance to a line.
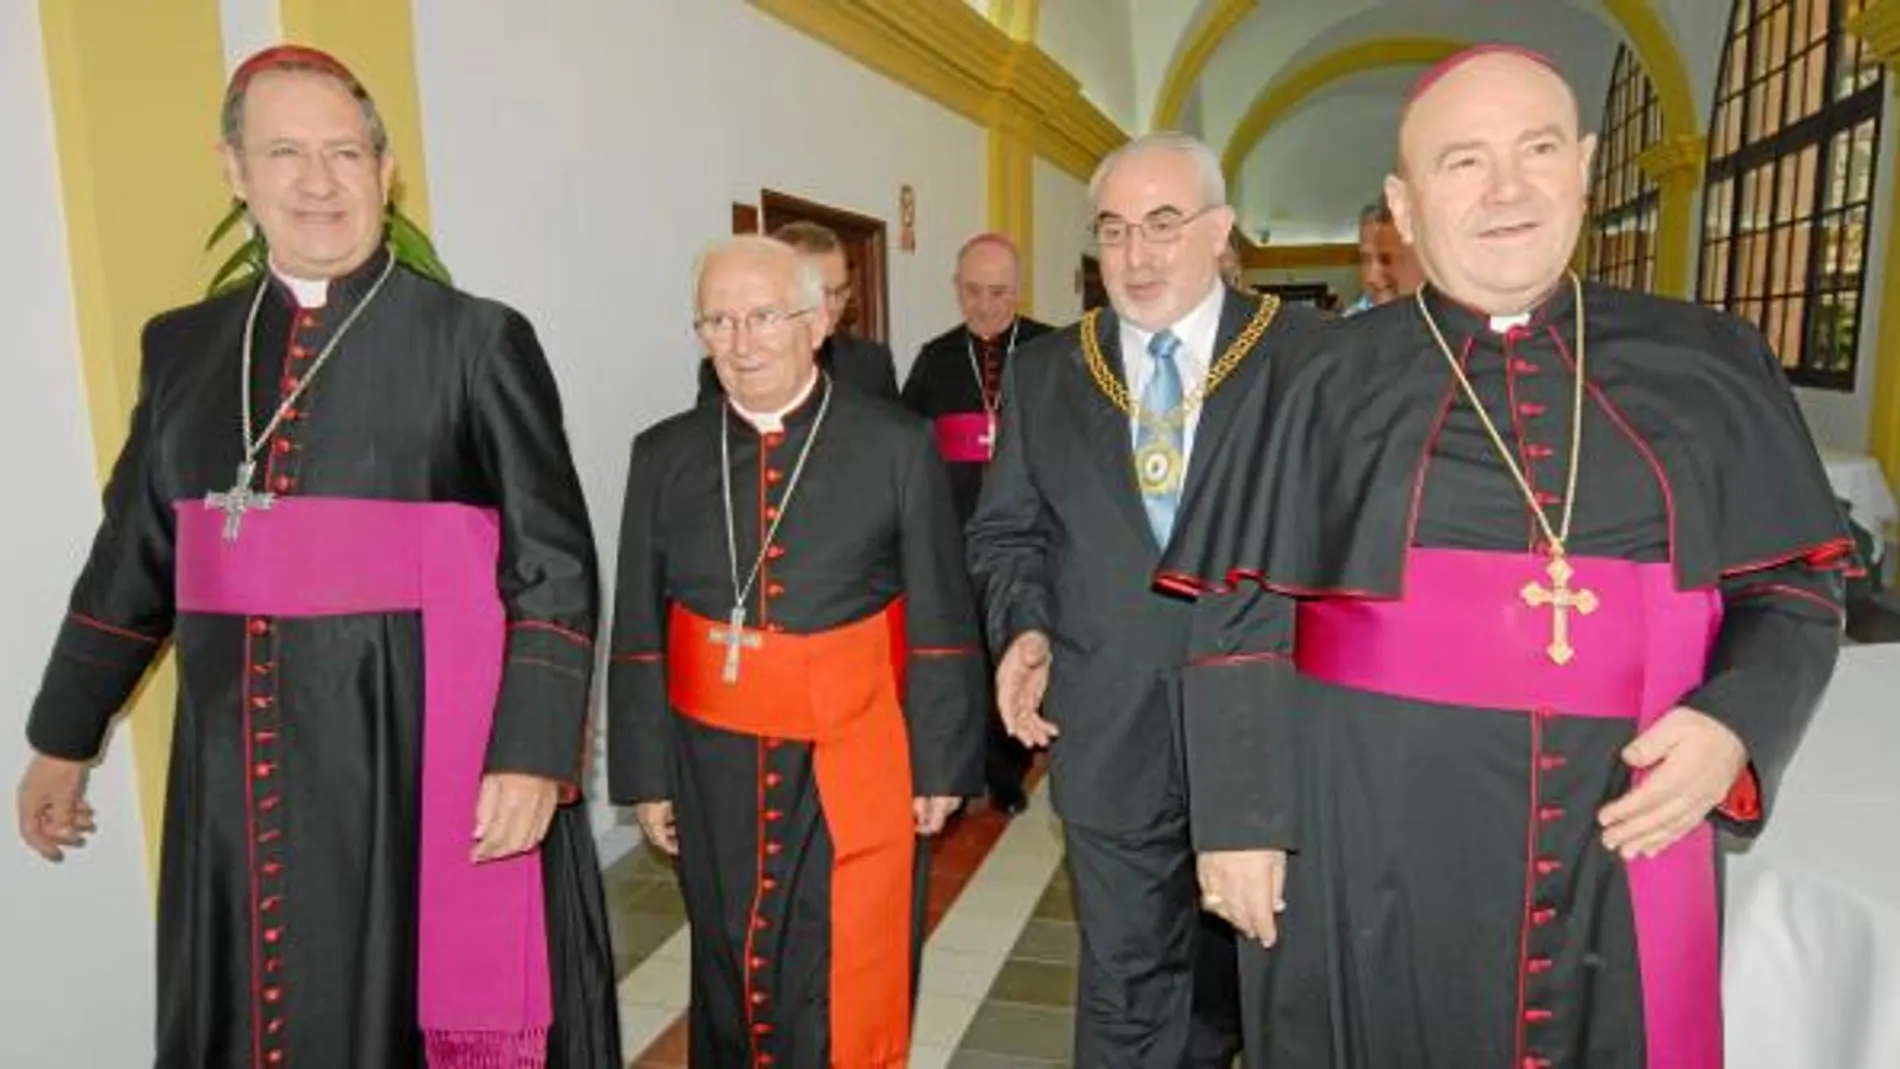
[432, 396]
[870, 521]
[952, 376]
[1449, 899]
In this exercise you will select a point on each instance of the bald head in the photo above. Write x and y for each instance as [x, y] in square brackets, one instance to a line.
[1492, 178]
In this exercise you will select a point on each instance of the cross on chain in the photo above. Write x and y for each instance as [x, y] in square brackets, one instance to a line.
[733, 636]
[238, 500]
[1561, 600]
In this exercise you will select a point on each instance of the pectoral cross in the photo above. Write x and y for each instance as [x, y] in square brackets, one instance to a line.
[238, 500]
[1561, 600]
[733, 636]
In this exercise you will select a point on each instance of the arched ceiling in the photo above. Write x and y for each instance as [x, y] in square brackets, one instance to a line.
[1323, 79]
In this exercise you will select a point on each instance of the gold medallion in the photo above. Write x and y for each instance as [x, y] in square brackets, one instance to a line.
[1158, 467]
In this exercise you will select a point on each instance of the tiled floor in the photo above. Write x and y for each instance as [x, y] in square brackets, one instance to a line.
[999, 965]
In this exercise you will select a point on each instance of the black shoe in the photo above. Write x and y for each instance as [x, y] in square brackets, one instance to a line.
[1008, 799]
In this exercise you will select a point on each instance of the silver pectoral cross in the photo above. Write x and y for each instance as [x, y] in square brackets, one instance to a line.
[733, 636]
[238, 500]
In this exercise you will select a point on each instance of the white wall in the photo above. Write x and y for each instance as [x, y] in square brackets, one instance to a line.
[76, 987]
[581, 154]
[1094, 40]
[1062, 219]
[1312, 174]
[248, 26]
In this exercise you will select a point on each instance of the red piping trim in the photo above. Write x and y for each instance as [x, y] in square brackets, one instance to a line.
[553, 629]
[121, 632]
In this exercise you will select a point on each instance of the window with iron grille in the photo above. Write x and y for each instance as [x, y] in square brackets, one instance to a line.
[1623, 199]
[1788, 202]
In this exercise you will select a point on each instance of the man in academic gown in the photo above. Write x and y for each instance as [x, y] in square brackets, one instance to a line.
[384, 661]
[1534, 583]
[1108, 428]
[956, 382]
[796, 688]
[859, 363]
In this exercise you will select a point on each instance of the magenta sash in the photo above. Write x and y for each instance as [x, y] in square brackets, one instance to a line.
[966, 437]
[1463, 635]
[484, 991]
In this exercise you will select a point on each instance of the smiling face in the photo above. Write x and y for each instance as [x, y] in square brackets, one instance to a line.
[306, 164]
[1492, 182]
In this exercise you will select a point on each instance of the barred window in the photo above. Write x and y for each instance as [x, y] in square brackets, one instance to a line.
[1623, 200]
[1788, 204]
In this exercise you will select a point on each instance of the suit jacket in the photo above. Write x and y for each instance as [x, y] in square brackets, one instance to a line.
[857, 362]
[1060, 543]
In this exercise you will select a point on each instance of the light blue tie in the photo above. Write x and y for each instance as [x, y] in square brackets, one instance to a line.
[1160, 481]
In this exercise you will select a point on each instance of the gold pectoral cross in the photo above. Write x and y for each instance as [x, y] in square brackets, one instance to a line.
[1561, 600]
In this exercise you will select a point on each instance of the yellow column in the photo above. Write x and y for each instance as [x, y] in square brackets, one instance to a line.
[376, 40]
[1879, 25]
[1675, 165]
[1012, 146]
[141, 188]
[1012, 158]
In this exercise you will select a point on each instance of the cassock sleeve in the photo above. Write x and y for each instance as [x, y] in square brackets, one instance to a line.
[548, 575]
[120, 612]
[944, 695]
[1244, 728]
[1008, 536]
[1784, 551]
[1780, 637]
[638, 767]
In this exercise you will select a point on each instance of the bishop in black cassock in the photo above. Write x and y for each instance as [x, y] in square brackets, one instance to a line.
[1447, 715]
[421, 576]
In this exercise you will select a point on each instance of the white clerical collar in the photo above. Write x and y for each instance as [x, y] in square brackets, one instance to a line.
[1503, 324]
[774, 422]
[309, 292]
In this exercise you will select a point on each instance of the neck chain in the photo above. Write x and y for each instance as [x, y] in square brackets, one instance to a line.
[1116, 390]
[235, 502]
[991, 403]
[741, 592]
[1558, 537]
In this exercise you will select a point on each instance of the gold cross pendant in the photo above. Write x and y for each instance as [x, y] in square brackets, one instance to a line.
[1561, 600]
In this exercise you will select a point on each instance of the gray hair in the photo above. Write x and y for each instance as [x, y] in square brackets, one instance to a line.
[808, 283]
[231, 117]
[1376, 212]
[1213, 182]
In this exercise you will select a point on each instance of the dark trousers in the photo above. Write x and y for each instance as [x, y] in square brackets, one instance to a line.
[1157, 980]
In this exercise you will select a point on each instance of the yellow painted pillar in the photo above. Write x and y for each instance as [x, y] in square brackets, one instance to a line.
[1012, 146]
[1879, 25]
[142, 188]
[376, 40]
[1675, 165]
[1012, 156]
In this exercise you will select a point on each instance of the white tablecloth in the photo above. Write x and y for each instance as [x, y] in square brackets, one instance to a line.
[1811, 970]
[1858, 480]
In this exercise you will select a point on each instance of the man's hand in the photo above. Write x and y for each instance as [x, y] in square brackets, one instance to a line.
[512, 814]
[1021, 680]
[54, 813]
[931, 812]
[656, 823]
[1246, 888]
[1692, 761]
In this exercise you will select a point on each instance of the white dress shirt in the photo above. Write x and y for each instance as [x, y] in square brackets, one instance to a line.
[1198, 332]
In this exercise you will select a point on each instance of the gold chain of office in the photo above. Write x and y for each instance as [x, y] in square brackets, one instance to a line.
[1116, 390]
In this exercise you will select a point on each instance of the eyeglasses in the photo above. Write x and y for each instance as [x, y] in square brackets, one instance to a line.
[759, 321]
[350, 156]
[1159, 228]
[838, 294]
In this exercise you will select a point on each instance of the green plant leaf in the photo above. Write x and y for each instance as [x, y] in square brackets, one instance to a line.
[230, 221]
[243, 263]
